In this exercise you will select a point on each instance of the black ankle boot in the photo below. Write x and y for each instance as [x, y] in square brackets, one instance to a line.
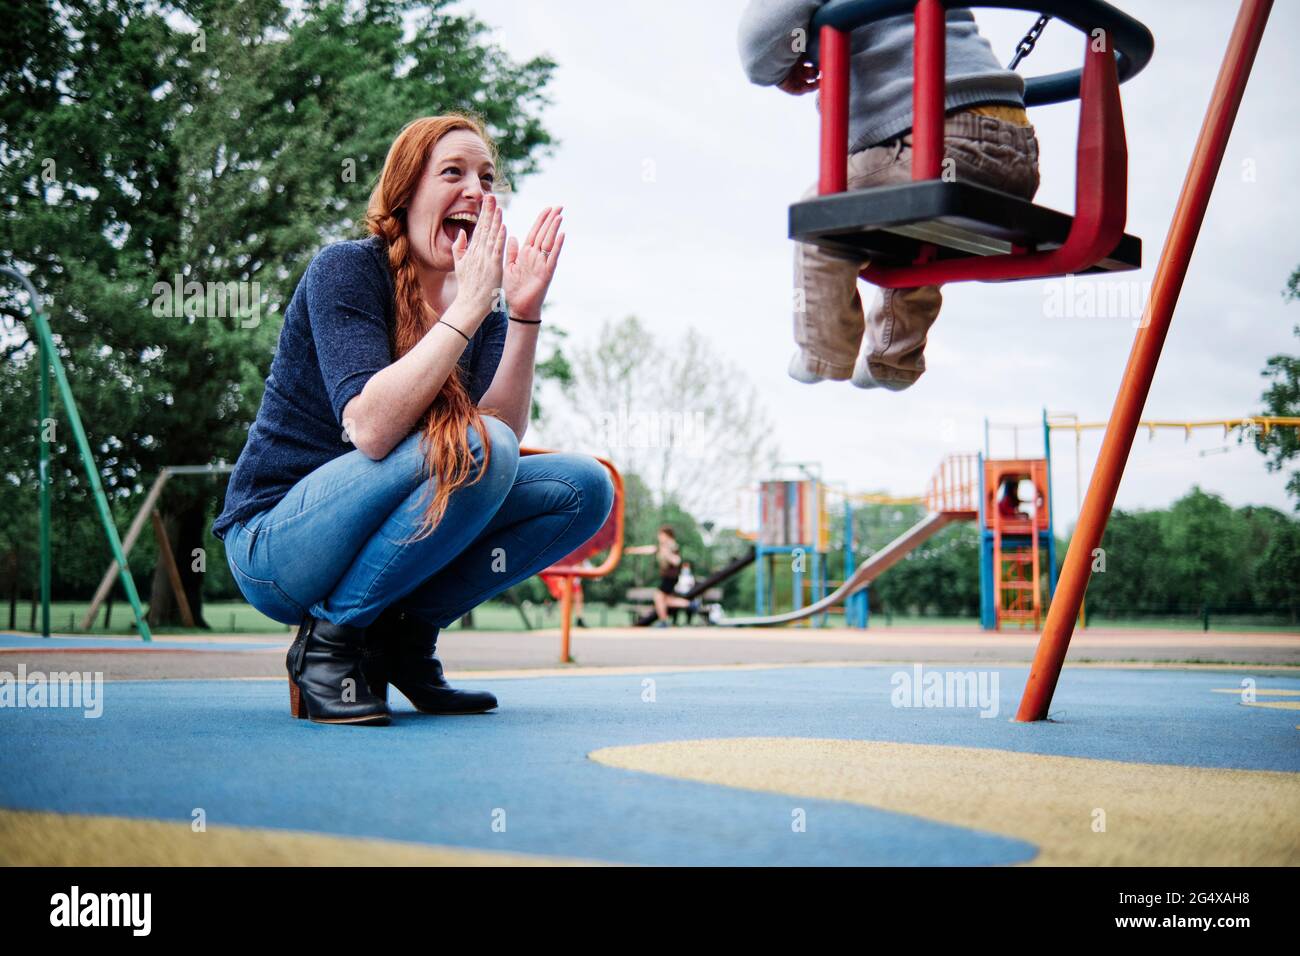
[326, 679]
[403, 652]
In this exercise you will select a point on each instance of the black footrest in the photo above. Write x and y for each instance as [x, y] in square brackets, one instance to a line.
[889, 224]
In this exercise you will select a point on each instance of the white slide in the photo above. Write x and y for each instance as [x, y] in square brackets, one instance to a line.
[872, 568]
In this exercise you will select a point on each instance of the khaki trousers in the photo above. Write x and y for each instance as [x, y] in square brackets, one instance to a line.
[829, 330]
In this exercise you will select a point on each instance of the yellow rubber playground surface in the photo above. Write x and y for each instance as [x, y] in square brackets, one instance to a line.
[682, 747]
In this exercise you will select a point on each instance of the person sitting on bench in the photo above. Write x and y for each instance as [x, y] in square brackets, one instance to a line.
[668, 554]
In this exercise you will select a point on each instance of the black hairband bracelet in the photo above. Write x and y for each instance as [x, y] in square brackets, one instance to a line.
[525, 321]
[454, 329]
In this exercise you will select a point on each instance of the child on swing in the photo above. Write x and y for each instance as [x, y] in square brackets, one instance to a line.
[987, 135]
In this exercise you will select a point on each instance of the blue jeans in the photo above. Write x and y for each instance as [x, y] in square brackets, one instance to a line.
[338, 545]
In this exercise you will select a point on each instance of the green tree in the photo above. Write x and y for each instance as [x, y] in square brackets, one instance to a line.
[1205, 542]
[1199, 552]
[1282, 399]
[1134, 573]
[221, 141]
[1277, 574]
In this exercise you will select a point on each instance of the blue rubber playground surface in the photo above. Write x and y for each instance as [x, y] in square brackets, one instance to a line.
[27, 642]
[523, 780]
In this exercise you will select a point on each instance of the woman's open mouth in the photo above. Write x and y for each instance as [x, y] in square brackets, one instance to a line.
[459, 222]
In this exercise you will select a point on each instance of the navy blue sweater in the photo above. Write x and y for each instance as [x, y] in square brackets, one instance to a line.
[337, 333]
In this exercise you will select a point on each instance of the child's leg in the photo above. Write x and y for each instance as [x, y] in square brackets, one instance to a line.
[828, 321]
[827, 312]
[897, 323]
[985, 151]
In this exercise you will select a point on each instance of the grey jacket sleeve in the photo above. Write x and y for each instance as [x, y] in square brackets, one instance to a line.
[767, 37]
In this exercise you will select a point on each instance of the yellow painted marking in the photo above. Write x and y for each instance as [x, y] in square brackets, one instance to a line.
[1275, 704]
[1155, 815]
[1265, 692]
[30, 838]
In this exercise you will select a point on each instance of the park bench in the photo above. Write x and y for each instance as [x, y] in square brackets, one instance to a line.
[641, 601]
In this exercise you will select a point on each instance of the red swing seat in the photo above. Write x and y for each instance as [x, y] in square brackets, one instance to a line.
[932, 231]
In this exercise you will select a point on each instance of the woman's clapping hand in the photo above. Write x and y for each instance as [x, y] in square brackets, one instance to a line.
[479, 269]
[529, 268]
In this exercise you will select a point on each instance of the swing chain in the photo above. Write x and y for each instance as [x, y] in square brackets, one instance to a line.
[1026, 45]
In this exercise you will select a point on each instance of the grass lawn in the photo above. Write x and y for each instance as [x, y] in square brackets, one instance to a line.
[236, 617]
[225, 617]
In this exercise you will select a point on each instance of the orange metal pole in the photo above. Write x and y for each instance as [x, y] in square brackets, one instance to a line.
[997, 566]
[566, 611]
[1136, 384]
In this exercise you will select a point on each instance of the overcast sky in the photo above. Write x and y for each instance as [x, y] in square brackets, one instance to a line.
[702, 245]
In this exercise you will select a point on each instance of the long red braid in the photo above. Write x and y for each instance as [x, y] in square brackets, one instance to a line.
[446, 424]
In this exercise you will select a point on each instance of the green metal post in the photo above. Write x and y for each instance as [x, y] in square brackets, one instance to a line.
[1051, 514]
[50, 360]
[43, 478]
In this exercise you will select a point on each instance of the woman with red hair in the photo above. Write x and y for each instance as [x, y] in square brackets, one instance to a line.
[381, 495]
